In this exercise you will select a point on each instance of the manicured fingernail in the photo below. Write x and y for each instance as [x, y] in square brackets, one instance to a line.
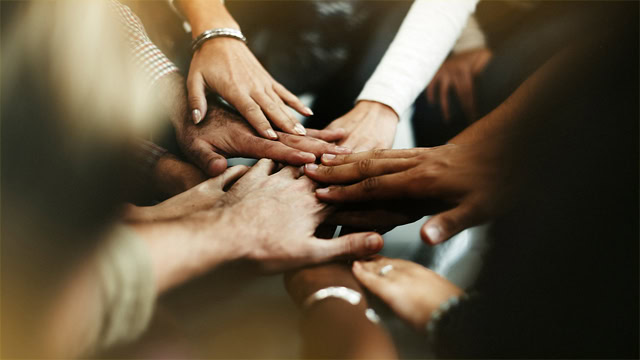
[308, 111]
[307, 157]
[372, 242]
[328, 156]
[272, 134]
[343, 150]
[310, 167]
[322, 191]
[300, 129]
[196, 116]
[434, 234]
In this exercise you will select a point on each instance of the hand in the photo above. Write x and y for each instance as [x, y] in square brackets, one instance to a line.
[273, 217]
[225, 134]
[172, 176]
[473, 181]
[200, 197]
[412, 291]
[369, 125]
[227, 67]
[459, 71]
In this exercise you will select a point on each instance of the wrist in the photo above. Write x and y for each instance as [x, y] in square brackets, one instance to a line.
[377, 110]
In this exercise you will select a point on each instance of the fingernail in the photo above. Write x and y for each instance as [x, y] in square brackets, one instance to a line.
[308, 111]
[322, 191]
[372, 242]
[300, 129]
[272, 134]
[311, 167]
[196, 116]
[356, 264]
[343, 150]
[328, 156]
[434, 234]
[307, 157]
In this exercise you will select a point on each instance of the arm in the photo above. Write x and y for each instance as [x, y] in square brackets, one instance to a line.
[426, 36]
[227, 67]
[333, 328]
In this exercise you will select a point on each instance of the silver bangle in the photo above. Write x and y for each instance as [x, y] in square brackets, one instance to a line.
[214, 33]
[339, 292]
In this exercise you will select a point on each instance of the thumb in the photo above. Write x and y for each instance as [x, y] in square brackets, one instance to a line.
[209, 161]
[443, 226]
[356, 245]
[197, 99]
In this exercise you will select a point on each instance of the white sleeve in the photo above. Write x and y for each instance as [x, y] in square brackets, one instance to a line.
[423, 41]
[471, 37]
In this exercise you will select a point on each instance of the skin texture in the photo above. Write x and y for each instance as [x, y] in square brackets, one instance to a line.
[225, 134]
[334, 329]
[458, 73]
[227, 67]
[467, 180]
[193, 236]
[412, 291]
[172, 176]
[369, 125]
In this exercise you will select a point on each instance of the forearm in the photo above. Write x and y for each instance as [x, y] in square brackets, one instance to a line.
[180, 250]
[333, 328]
[206, 14]
[565, 77]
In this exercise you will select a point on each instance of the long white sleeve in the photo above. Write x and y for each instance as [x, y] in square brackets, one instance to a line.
[423, 41]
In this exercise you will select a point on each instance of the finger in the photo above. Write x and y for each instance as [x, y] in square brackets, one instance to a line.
[356, 245]
[443, 226]
[356, 171]
[371, 219]
[463, 87]
[291, 99]
[292, 172]
[328, 135]
[383, 187]
[263, 167]
[295, 126]
[197, 98]
[230, 175]
[208, 160]
[262, 148]
[332, 160]
[381, 286]
[311, 145]
[274, 111]
[444, 97]
[253, 113]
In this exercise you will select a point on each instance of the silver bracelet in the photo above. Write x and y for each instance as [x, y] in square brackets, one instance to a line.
[214, 33]
[339, 292]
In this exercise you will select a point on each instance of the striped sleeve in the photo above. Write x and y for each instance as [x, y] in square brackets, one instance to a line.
[146, 54]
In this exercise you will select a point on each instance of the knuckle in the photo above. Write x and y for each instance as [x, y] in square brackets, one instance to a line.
[327, 170]
[364, 166]
[378, 153]
[251, 108]
[370, 184]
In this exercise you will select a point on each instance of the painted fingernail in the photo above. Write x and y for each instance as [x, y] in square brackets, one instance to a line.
[434, 234]
[308, 111]
[343, 150]
[196, 116]
[372, 242]
[272, 134]
[322, 191]
[300, 129]
[328, 156]
[310, 167]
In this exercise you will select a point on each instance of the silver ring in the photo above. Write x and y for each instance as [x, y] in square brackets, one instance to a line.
[385, 269]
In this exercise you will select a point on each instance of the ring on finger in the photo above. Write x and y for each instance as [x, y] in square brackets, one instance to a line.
[385, 270]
